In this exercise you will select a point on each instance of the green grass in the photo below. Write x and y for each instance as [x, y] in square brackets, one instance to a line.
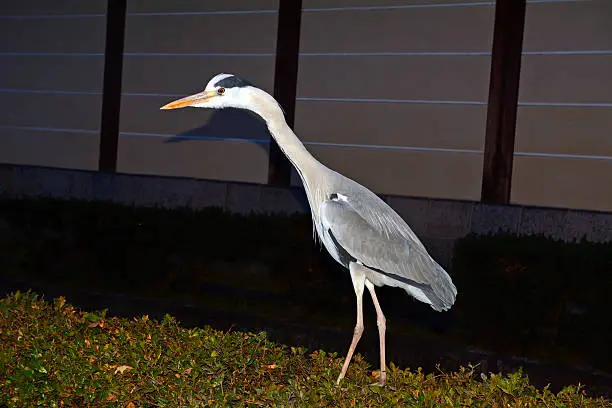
[52, 354]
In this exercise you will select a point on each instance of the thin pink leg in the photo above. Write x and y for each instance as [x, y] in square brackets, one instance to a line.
[382, 326]
[358, 283]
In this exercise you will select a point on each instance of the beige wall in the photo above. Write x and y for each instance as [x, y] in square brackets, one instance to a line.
[419, 117]
[51, 73]
[392, 93]
[563, 154]
[147, 142]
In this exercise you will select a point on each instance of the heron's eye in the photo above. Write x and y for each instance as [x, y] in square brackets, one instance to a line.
[221, 91]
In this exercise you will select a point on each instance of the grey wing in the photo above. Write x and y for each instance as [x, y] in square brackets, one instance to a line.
[378, 244]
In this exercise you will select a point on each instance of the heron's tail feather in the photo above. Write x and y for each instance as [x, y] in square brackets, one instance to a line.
[439, 292]
[442, 292]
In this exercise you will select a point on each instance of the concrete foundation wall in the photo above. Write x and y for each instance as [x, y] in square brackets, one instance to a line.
[439, 223]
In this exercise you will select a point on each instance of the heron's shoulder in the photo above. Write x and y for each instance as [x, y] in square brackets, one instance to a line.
[375, 211]
[348, 187]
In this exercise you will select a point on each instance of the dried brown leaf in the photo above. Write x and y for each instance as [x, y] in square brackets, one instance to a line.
[123, 368]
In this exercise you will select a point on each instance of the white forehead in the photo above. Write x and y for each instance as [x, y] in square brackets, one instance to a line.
[217, 78]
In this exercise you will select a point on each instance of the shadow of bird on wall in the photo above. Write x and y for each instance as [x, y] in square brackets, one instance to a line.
[228, 124]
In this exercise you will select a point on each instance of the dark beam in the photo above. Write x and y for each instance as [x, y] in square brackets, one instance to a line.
[111, 98]
[503, 100]
[285, 82]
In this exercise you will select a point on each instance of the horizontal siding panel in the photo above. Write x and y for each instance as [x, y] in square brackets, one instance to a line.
[53, 35]
[570, 25]
[554, 133]
[176, 75]
[566, 78]
[561, 182]
[564, 130]
[55, 7]
[52, 73]
[52, 149]
[232, 33]
[219, 160]
[164, 6]
[392, 30]
[142, 115]
[463, 78]
[316, 4]
[401, 124]
[146, 145]
[51, 110]
[400, 172]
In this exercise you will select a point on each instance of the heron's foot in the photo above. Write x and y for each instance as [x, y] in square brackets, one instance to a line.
[382, 379]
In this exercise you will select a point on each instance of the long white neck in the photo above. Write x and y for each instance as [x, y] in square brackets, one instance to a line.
[266, 106]
[311, 171]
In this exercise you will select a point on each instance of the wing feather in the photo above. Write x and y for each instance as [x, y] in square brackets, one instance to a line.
[380, 239]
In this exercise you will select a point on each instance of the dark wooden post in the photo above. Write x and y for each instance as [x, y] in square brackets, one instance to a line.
[503, 100]
[111, 98]
[285, 82]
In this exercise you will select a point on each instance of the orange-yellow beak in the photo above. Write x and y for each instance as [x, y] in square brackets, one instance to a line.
[189, 100]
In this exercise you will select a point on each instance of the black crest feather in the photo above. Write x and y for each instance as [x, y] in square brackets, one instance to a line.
[233, 82]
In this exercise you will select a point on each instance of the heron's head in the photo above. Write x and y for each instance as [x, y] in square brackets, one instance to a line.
[222, 91]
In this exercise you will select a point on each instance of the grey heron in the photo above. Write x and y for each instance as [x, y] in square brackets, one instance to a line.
[358, 229]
